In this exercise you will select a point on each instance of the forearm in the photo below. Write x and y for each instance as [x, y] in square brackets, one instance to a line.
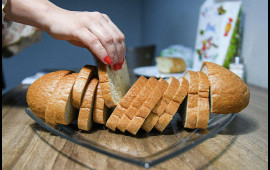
[30, 12]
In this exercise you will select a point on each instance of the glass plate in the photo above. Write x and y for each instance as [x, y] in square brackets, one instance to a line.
[144, 149]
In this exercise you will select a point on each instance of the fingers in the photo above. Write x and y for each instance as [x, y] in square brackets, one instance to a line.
[93, 44]
[77, 43]
[106, 39]
[118, 36]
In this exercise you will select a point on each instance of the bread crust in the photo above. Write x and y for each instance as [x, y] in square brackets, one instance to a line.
[106, 83]
[189, 114]
[85, 121]
[80, 84]
[203, 101]
[173, 106]
[167, 97]
[125, 103]
[62, 103]
[229, 93]
[40, 91]
[147, 106]
[100, 110]
[137, 103]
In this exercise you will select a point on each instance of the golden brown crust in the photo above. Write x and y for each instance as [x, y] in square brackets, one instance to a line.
[229, 93]
[194, 86]
[64, 113]
[192, 110]
[174, 104]
[85, 113]
[167, 97]
[147, 106]
[40, 91]
[163, 120]
[150, 122]
[100, 110]
[125, 103]
[137, 103]
[203, 101]
[189, 114]
[80, 84]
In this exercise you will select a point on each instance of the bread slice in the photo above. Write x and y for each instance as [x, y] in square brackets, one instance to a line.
[100, 110]
[114, 84]
[85, 119]
[80, 84]
[125, 103]
[167, 97]
[40, 91]
[228, 92]
[147, 106]
[160, 107]
[203, 101]
[171, 64]
[173, 106]
[136, 104]
[189, 107]
[64, 113]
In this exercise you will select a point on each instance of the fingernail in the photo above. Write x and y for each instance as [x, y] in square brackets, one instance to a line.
[108, 60]
[115, 67]
[120, 66]
[123, 61]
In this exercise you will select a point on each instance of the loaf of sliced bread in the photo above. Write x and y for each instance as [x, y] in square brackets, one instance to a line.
[203, 101]
[160, 107]
[124, 104]
[64, 112]
[85, 118]
[136, 104]
[80, 84]
[114, 84]
[147, 106]
[189, 107]
[100, 110]
[228, 92]
[173, 105]
[40, 91]
[170, 64]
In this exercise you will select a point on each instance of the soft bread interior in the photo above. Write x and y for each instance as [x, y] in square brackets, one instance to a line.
[119, 82]
[205, 71]
[164, 65]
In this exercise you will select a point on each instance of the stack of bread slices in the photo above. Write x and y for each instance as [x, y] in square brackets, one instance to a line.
[63, 96]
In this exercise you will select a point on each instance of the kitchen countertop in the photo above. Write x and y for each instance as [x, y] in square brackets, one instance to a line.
[243, 144]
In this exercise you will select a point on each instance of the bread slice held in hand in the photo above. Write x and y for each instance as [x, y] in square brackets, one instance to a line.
[160, 107]
[60, 107]
[228, 92]
[85, 119]
[124, 104]
[173, 105]
[40, 91]
[203, 101]
[80, 84]
[147, 106]
[136, 104]
[114, 84]
[189, 107]
[100, 110]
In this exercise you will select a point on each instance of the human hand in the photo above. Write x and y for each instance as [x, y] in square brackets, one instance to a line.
[92, 30]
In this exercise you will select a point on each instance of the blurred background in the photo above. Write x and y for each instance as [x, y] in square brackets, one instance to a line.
[144, 22]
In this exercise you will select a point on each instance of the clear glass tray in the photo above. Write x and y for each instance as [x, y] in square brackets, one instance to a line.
[144, 149]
